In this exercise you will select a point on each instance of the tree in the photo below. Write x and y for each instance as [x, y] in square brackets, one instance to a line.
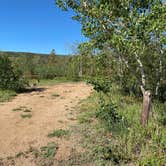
[130, 29]
[51, 58]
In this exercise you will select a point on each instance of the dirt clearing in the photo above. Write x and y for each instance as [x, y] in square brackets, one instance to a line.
[27, 120]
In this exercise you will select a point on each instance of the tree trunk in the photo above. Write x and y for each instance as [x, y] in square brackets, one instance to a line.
[146, 107]
[80, 67]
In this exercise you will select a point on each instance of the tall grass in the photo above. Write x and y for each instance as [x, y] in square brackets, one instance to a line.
[129, 144]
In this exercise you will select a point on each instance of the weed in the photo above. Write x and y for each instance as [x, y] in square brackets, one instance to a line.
[86, 117]
[23, 107]
[60, 121]
[49, 151]
[71, 118]
[17, 109]
[27, 110]
[55, 95]
[58, 133]
[19, 154]
[26, 115]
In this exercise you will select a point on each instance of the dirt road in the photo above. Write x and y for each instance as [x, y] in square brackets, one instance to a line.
[49, 108]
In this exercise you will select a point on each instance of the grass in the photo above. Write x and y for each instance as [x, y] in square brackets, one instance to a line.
[49, 151]
[21, 108]
[51, 82]
[7, 95]
[58, 133]
[26, 115]
[17, 109]
[26, 111]
[60, 121]
[132, 146]
[55, 95]
[42, 156]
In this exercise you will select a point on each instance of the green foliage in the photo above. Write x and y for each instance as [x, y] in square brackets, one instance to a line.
[25, 111]
[131, 33]
[152, 160]
[58, 133]
[162, 92]
[55, 95]
[43, 66]
[107, 111]
[9, 78]
[51, 82]
[109, 115]
[51, 58]
[7, 95]
[86, 117]
[46, 71]
[101, 84]
[161, 113]
[17, 109]
[130, 144]
[49, 151]
[26, 115]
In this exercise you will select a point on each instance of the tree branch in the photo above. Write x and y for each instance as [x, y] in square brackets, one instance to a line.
[159, 73]
[143, 78]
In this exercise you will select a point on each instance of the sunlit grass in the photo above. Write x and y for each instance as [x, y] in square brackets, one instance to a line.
[133, 146]
[51, 82]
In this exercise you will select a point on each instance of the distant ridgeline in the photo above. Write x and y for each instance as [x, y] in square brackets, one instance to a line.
[12, 53]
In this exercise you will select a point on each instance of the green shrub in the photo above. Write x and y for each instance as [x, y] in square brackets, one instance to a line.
[10, 78]
[101, 84]
[108, 114]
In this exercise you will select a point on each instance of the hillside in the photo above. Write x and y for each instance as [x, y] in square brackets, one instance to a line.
[39, 64]
[13, 53]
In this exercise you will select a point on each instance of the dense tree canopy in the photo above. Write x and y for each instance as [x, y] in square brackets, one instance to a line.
[134, 34]
[132, 30]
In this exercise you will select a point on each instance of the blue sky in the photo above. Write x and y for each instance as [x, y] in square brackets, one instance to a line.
[37, 26]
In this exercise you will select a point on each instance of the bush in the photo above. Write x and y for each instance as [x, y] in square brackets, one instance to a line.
[108, 114]
[10, 78]
[101, 85]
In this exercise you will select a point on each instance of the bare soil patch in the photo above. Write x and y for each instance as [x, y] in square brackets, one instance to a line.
[50, 108]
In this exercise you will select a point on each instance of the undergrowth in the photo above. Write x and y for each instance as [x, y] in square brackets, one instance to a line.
[112, 133]
[7, 95]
